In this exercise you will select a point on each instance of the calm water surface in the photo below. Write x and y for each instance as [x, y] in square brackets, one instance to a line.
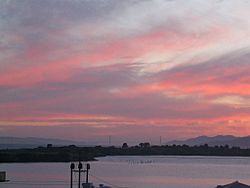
[135, 172]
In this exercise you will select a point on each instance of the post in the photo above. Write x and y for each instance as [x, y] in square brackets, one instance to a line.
[87, 173]
[72, 167]
[109, 140]
[79, 177]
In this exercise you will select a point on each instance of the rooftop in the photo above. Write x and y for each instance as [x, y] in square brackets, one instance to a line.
[235, 184]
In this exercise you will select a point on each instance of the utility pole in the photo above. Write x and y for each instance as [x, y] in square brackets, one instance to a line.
[79, 174]
[80, 170]
[109, 139]
[160, 140]
[72, 167]
[87, 173]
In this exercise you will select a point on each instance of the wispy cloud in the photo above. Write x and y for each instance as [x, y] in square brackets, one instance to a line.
[112, 67]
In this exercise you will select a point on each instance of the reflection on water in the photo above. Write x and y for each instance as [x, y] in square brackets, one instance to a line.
[136, 172]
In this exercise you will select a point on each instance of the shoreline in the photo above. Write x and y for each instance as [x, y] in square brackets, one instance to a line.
[74, 153]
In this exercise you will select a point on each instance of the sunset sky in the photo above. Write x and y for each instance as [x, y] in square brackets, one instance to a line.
[134, 70]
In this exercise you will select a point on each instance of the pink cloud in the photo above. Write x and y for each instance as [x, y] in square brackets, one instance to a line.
[160, 41]
[57, 80]
[47, 61]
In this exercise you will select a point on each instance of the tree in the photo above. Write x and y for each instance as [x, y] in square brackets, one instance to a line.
[145, 145]
[124, 145]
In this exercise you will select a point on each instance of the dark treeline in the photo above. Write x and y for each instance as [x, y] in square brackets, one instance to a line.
[71, 153]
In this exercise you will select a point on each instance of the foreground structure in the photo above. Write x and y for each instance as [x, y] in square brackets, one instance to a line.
[235, 184]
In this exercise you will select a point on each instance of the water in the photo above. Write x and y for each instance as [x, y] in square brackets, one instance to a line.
[135, 172]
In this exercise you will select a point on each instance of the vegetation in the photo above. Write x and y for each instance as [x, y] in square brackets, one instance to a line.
[71, 153]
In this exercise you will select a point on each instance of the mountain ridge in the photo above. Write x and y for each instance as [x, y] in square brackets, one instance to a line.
[218, 140]
[7, 142]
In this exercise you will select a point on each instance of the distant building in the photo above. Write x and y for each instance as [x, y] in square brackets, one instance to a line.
[235, 184]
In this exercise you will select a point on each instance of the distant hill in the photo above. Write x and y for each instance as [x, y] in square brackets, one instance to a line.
[32, 142]
[220, 140]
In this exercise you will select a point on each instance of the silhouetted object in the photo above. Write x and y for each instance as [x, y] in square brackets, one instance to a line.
[87, 172]
[124, 146]
[87, 184]
[205, 145]
[103, 186]
[2, 176]
[145, 145]
[79, 174]
[72, 167]
[235, 184]
[49, 145]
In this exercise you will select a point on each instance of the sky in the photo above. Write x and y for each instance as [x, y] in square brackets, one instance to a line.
[133, 70]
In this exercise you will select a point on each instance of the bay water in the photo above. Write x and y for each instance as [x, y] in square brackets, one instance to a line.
[134, 172]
